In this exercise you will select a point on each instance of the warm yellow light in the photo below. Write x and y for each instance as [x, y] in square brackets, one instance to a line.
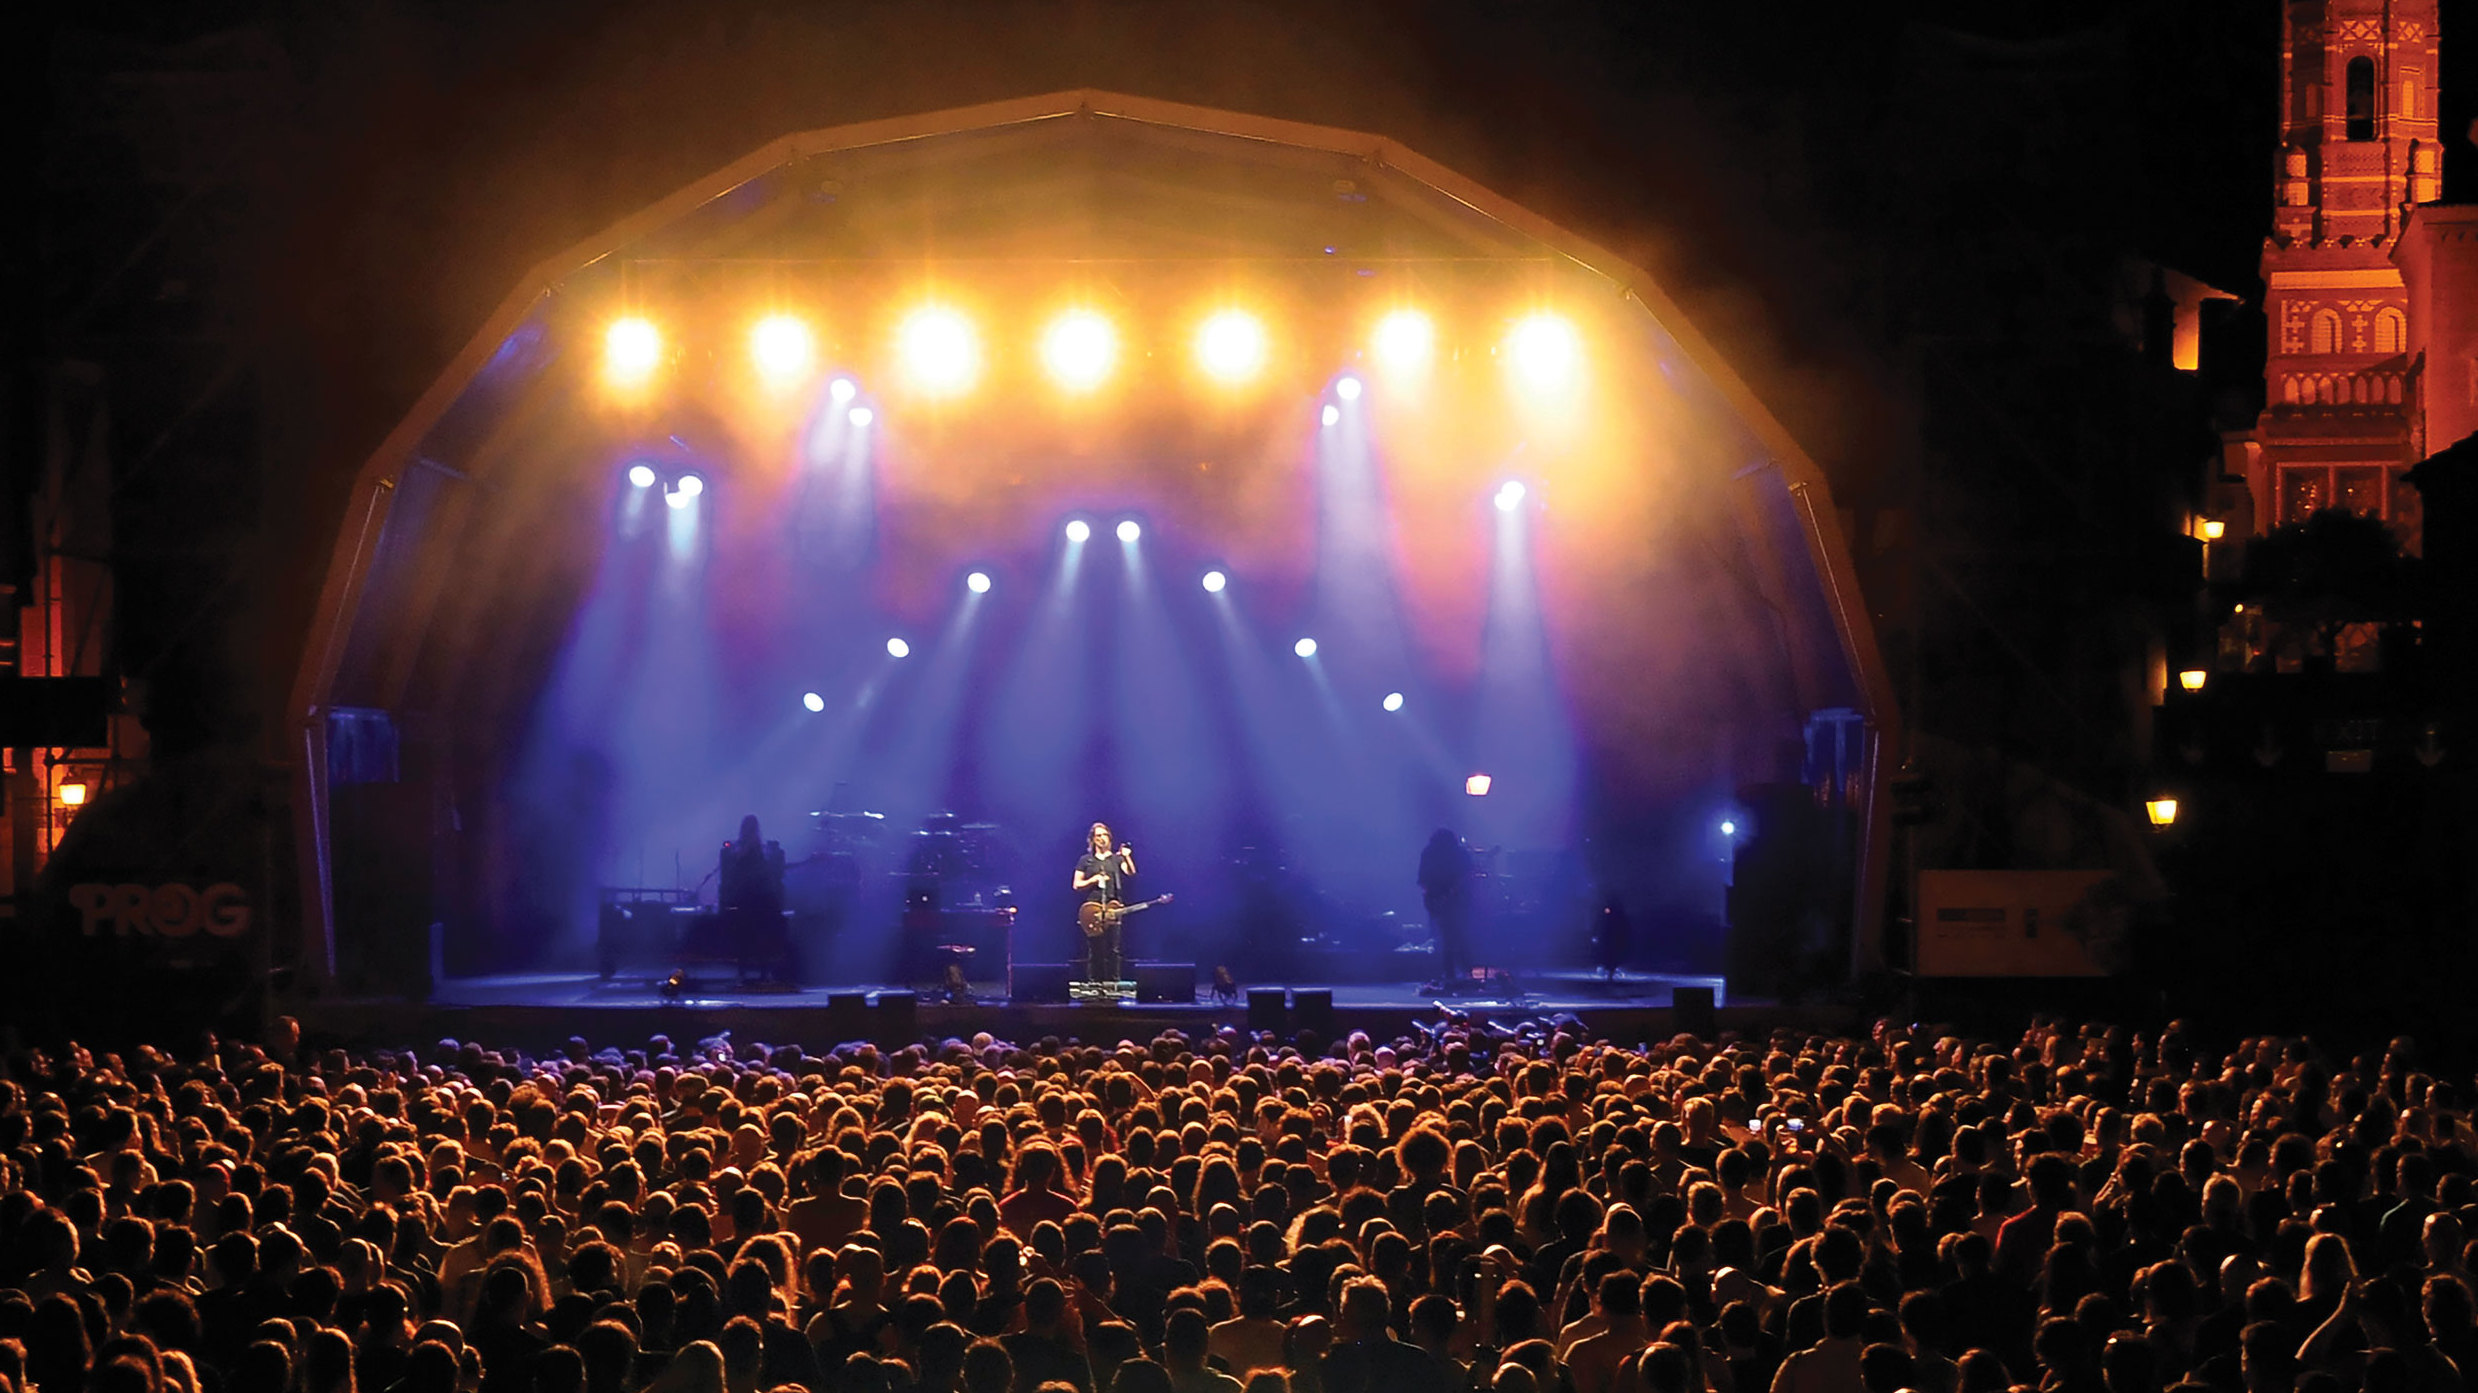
[1545, 353]
[1477, 785]
[1405, 343]
[1079, 349]
[2162, 811]
[2192, 679]
[941, 354]
[631, 350]
[2214, 529]
[782, 348]
[1230, 346]
[73, 795]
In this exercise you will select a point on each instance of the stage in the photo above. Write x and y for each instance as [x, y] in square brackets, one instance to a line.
[891, 511]
[543, 1011]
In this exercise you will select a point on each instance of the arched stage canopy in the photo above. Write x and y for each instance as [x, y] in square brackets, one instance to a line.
[455, 523]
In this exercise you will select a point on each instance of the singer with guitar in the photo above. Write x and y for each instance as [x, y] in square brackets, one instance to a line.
[1101, 878]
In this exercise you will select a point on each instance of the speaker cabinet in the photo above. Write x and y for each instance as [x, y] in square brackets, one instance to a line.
[1691, 1011]
[1160, 984]
[847, 1018]
[1314, 1011]
[896, 1018]
[1268, 1010]
[1030, 983]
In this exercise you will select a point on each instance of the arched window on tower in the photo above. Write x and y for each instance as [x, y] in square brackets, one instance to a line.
[2323, 332]
[2361, 98]
[2391, 332]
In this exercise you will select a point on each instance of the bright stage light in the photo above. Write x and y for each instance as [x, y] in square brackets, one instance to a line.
[676, 499]
[1545, 353]
[1729, 828]
[1214, 581]
[897, 648]
[1405, 341]
[1305, 648]
[1393, 701]
[860, 416]
[782, 348]
[977, 582]
[1079, 349]
[1330, 414]
[1477, 785]
[1347, 389]
[641, 476]
[690, 485]
[842, 389]
[1129, 531]
[1079, 530]
[1230, 346]
[1510, 495]
[941, 354]
[631, 350]
[813, 701]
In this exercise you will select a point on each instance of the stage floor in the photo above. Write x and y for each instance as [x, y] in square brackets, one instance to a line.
[714, 990]
[542, 1011]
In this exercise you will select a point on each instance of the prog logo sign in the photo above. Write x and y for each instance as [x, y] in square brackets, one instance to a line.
[171, 910]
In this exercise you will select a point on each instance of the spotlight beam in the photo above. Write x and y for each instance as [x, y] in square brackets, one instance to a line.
[919, 755]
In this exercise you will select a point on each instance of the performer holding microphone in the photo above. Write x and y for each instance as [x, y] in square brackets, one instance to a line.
[1101, 878]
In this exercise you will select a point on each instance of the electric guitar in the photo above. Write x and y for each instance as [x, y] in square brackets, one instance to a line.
[1097, 917]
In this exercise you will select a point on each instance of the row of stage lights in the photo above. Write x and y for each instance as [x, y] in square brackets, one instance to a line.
[678, 491]
[1509, 497]
[685, 488]
[1476, 785]
[938, 350]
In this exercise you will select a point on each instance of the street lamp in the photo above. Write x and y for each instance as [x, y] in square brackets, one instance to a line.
[2162, 811]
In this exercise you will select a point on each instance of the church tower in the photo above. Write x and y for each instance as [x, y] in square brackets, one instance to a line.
[2358, 82]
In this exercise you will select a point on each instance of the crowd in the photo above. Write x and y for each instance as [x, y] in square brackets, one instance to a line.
[2077, 1211]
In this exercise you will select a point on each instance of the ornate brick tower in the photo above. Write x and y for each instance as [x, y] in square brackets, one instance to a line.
[2358, 84]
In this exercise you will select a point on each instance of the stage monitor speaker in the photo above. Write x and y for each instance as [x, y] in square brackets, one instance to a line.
[1165, 983]
[1267, 1009]
[847, 1017]
[1039, 983]
[1690, 1009]
[1314, 1010]
[897, 1018]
